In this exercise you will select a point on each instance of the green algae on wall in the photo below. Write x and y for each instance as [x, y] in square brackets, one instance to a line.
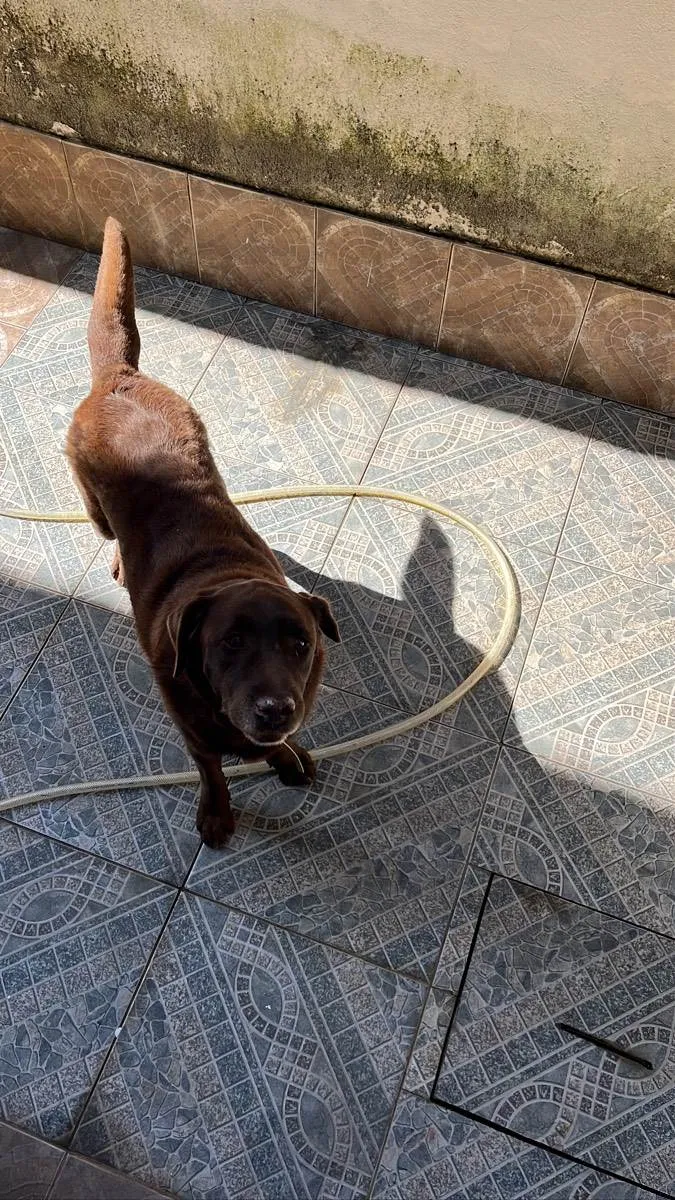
[537, 193]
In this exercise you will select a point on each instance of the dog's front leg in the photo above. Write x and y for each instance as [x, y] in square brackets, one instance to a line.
[292, 764]
[215, 819]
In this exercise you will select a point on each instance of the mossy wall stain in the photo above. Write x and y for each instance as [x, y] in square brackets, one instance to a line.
[547, 200]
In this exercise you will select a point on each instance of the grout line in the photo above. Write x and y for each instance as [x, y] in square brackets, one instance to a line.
[134, 996]
[354, 499]
[554, 560]
[194, 230]
[397, 1097]
[460, 989]
[290, 931]
[599, 912]
[578, 334]
[316, 259]
[78, 210]
[52, 631]
[445, 295]
[507, 1132]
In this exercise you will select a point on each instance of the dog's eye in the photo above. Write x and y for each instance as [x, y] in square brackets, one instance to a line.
[234, 641]
[301, 646]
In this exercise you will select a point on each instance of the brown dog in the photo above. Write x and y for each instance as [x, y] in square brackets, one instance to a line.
[237, 654]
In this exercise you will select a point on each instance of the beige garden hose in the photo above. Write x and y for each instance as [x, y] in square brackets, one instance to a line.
[490, 661]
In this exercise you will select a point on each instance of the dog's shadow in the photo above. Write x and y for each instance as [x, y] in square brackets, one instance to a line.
[401, 653]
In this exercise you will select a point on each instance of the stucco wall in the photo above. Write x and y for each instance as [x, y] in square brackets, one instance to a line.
[542, 126]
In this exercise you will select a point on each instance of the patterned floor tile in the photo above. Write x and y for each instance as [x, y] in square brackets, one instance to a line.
[370, 858]
[27, 1166]
[76, 933]
[418, 602]
[27, 617]
[540, 963]
[504, 450]
[30, 270]
[597, 691]
[291, 399]
[80, 1179]
[89, 710]
[433, 1154]
[610, 848]
[623, 516]
[254, 1064]
[301, 532]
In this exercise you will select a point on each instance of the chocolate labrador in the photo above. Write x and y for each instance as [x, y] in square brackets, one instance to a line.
[236, 653]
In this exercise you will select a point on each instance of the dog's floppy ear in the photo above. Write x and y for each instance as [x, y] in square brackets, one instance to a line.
[182, 626]
[323, 614]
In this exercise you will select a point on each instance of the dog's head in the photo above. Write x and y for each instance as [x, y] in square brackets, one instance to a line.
[254, 646]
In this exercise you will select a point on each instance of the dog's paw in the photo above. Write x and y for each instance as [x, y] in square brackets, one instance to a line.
[215, 828]
[293, 765]
[117, 568]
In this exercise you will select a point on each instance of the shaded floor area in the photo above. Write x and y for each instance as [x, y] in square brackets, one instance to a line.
[448, 970]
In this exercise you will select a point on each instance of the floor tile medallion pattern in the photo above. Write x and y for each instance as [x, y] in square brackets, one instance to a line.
[362, 995]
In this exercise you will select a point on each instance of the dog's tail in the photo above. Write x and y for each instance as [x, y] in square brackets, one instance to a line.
[112, 333]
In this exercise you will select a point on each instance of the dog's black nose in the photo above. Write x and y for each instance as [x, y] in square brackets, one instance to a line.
[274, 710]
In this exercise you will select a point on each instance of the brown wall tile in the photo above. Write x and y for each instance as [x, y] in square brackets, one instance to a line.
[510, 313]
[259, 246]
[30, 270]
[626, 348]
[35, 191]
[9, 336]
[381, 278]
[151, 202]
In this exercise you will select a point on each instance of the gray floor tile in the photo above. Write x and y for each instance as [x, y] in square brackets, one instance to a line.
[597, 691]
[504, 450]
[610, 848]
[371, 857]
[88, 710]
[291, 399]
[80, 1179]
[27, 1165]
[76, 934]
[253, 1064]
[418, 603]
[27, 617]
[623, 514]
[539, 961]
[432, 1154]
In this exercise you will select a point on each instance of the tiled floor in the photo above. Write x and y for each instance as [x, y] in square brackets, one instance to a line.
[370, 992]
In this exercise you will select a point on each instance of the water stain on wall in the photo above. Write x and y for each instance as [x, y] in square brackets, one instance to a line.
[537, 194]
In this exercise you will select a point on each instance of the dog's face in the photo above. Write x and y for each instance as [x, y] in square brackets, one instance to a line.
[255, 644]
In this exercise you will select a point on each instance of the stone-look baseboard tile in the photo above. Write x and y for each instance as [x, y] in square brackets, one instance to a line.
[152, 203]
[36, 195]
[626, 348]
[498, 309]
[510, 313]
[380, 278]
[259, 246]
